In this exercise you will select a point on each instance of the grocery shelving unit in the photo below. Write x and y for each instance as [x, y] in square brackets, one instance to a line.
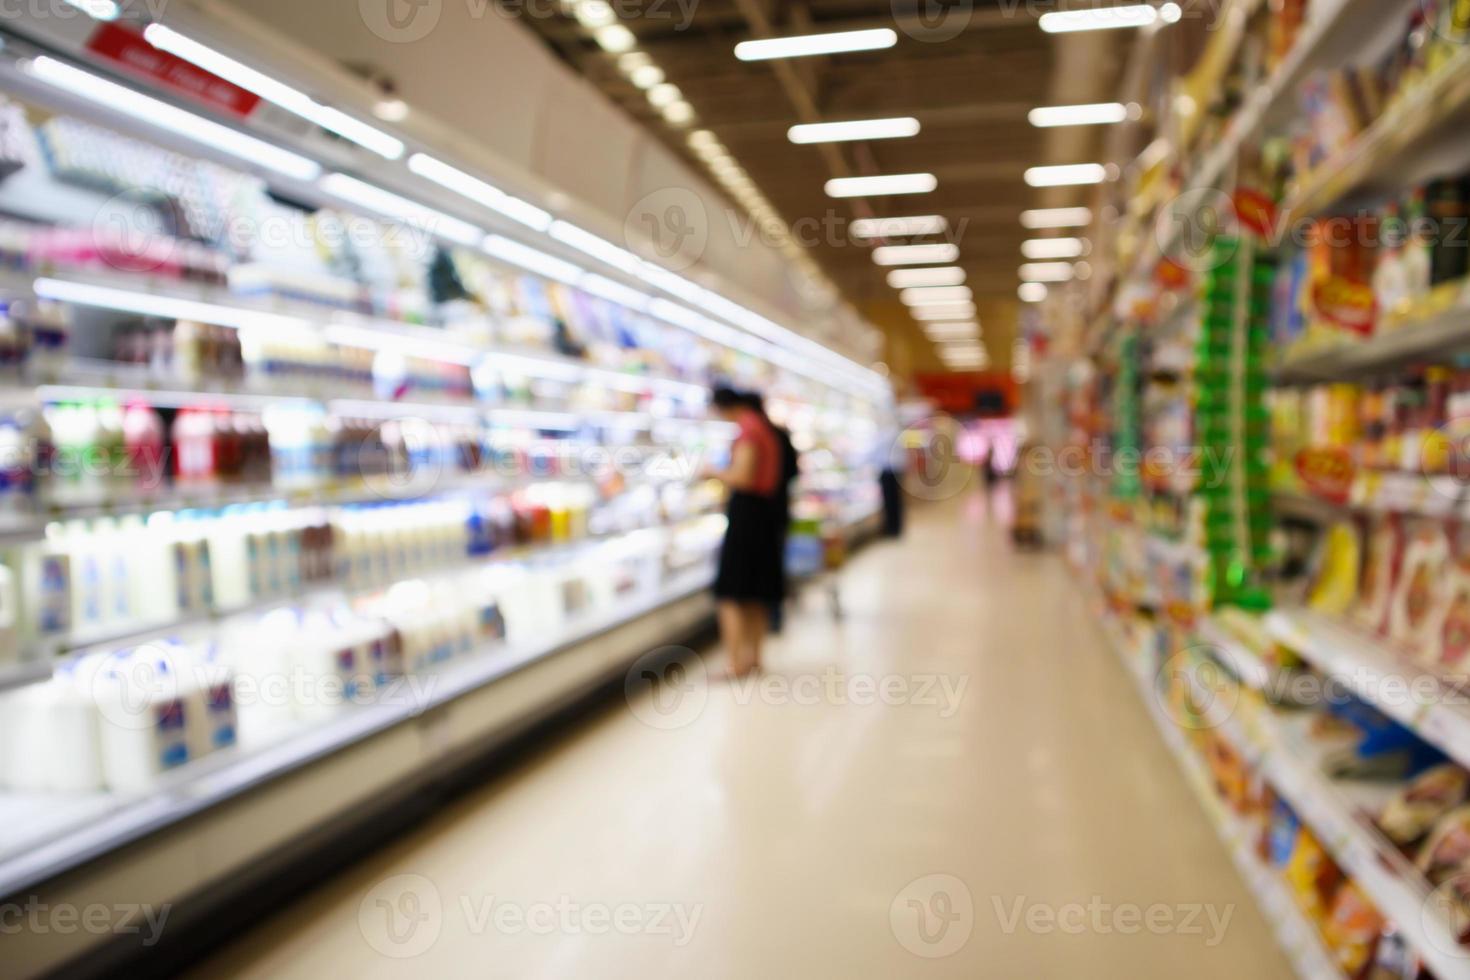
[1297, 936]
[1142, 300]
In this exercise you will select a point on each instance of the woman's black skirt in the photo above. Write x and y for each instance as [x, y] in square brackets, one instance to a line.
[751, 563]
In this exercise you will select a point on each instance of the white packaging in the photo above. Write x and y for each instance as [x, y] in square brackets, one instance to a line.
[143, 699]
[49, 740]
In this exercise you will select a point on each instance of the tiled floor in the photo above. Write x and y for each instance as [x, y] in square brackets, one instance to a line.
[955, 781]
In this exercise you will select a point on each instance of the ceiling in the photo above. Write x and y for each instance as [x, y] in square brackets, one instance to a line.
[969, 79]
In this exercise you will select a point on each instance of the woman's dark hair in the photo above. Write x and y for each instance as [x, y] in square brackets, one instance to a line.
[726, 398]
[753, 401]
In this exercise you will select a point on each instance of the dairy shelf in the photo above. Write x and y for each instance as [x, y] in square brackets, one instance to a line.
[179, 299]
[103, 822]
[142, 632]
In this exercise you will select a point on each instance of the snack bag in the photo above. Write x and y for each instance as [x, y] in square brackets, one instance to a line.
[1336, 585]
[1381, 563]
[1420, 805]
[1352, 928]
[1395, 959]
[1281, 835]
[1445, 861]
[1312, 875]
[1420, 596]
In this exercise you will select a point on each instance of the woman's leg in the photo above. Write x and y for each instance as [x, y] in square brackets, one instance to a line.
[757, 621]
[732, 634]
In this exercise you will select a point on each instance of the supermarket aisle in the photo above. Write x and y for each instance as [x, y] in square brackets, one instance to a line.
[794, 830]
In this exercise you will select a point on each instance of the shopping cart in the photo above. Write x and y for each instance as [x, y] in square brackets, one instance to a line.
[815, 553]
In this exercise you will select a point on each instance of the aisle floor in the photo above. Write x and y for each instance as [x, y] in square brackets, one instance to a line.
[956, 780]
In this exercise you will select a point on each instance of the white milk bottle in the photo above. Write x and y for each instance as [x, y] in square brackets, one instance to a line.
[213, 721]
[142, 697]
[260, 655]
[49, 738]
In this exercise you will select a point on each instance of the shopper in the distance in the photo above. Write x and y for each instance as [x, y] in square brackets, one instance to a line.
[790, 470]
[891, 458]
[750, 571]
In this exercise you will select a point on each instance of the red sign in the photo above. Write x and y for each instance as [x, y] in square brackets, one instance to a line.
[1326, 473]
[132, 51]
[1255, 211]
[1170, 274]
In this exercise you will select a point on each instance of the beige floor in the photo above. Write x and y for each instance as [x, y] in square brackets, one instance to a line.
[794, 832]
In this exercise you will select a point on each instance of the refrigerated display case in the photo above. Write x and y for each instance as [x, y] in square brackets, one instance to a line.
[327, 467]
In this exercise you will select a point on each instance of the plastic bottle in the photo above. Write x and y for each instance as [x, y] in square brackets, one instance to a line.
[143, 698]
[49, 738]
[143, 439]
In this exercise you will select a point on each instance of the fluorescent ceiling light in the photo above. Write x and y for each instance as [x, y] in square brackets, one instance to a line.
[391, 110]
[1108, 18]
[916, 254]
[531, 259]
[664, 94]
[899, 127]
[947, 275]
[597, 247]
[268, 88]
[1046, 271]
[1088, 114]
[614, 38]
[1031, 292]
[97, 9]
[152, 112]
[1053, 248]
[944, 311]
[919, 224]
[1056, 218]
[478, 191]
[941, 330]
[680, 113]
[881, 185]
[810, 44]
[594, 13]
[1066, 175]
[932, 295]
[166, 307]
[387, 203]
[646, 76]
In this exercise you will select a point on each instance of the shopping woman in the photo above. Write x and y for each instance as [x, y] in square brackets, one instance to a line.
[749, 579]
